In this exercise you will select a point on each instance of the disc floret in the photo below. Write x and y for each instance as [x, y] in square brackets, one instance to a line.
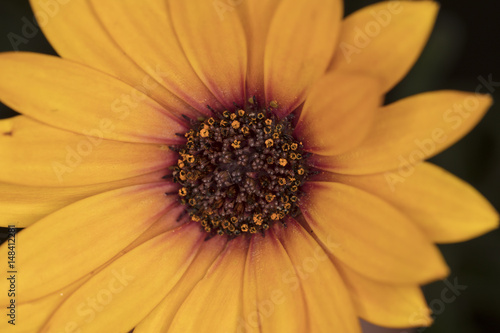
[240, 171]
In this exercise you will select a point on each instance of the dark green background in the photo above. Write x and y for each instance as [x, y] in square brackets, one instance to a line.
[463, 46]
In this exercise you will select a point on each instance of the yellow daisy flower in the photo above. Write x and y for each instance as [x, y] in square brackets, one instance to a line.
[295, 202]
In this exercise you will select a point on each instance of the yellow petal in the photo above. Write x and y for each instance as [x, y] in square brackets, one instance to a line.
[446, 208]
[84, 236]
[169, 220]
[370, 236]
[215, 304]
[215, 47]
[136, 30]
[338, 113]
[299, 47]
[41, 309]
[411, 130]
[86, 41]
[329, 306]
[37, 311]
[386, 305]
[21, 205]
[77, 98]
[34, 154]
[121, 295]
[257, 17]
[385, 39]
[269, 303]
[161, 317]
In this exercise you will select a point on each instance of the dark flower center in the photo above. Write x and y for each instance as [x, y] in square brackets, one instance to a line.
[240, 170]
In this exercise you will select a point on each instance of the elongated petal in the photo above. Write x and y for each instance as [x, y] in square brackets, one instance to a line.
[329, 305]
[215, 47]
[135, 29]
[161, 317]
[84, 236]
[21, 205]
[370, 236]
[86, 41]
[215, 304]
[34, 154]
[38, 311]
[168, 221]
[386, 305]
[269, 303]
[411, 130]
[79, 99]
[338, 113]
[445, 207]
[108, 301]
[385, 39]
[257, 17]
[299, 46]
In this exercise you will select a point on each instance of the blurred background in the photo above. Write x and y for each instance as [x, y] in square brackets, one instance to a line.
[463, 52]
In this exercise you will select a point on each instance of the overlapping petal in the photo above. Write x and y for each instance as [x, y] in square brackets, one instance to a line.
[216, 47]
[77, 98]
[329, 306]
[270, 303]
[385, 39]
[34, 154]
[85, 235]
[338, 113]
[85, 40]
[215, 303]
[145, 33]
[386, 305]
[368, 235]
[161, 317]
[21, 205]
[313, 28]
[38, 311]
[108, 301]
[445, 207]
[257, 17]
[411, 130]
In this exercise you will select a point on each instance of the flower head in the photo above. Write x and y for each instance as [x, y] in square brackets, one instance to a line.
[220, 166]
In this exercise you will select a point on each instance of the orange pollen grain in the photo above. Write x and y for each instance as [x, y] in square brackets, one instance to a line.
[235, 124]
[236, 144]
[270, 197]
[204, 133]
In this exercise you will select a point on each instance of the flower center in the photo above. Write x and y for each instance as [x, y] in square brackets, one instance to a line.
[241, 170]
